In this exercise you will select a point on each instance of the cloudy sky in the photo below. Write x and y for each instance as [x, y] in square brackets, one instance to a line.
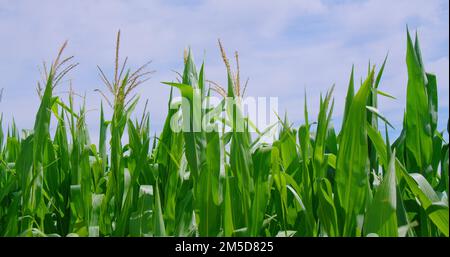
[285, 48]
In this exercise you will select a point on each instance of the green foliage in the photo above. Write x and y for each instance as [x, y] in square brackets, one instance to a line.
[310, 181]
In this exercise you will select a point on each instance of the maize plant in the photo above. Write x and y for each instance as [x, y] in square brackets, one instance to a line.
[312, 180]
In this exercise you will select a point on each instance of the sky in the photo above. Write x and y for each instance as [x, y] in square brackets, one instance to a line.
[285, 48]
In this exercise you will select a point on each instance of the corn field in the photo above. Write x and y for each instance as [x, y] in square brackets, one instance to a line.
[314, 180]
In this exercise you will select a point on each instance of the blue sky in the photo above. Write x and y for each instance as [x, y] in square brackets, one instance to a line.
[285, 48]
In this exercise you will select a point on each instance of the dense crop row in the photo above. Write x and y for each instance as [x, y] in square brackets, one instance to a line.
[311, 181]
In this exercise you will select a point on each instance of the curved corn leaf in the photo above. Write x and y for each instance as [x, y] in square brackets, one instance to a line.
[381, 216]
[351, 166]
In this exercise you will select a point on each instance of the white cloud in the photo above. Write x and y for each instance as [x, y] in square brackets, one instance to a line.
[285, 47]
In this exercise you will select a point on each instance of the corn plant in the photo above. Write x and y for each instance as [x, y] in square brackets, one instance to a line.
[312, 180]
